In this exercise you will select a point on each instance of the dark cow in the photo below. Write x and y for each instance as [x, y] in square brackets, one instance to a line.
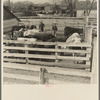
[33, 27]
[16, 28]
[68, 31]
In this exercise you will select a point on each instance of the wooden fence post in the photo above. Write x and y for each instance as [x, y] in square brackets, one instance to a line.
[43, 78]
[86, 19]
[94, 71]
[88, 34]
[78, 25]
[26, 52]
[88, 39]
[92, 49]
[56, 55]
[88, 62]
[84, 30]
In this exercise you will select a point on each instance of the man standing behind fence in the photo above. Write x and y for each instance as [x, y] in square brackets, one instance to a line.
[54, 29]
[41, 26]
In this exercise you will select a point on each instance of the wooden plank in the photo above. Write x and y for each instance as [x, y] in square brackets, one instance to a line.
[44, 63]
[27, 42]
[46, 49]
[60, 64]
[72, 65]
[14, 60]
[63, 71]
[49, 43]
[28, 48]
[76, 24]
[67, 78]
[67, 24]
[22, 77]
[54, 17]
[20, 66]
[73, 45]
[29, 55]
[74, 58]
[44, 56]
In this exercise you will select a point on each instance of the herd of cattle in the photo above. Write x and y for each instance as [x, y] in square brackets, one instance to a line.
[70, 34]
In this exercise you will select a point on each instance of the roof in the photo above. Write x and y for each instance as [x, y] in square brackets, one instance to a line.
[11, 15]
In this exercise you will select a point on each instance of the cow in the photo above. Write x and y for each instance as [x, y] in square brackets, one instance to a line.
[33, 27]
[16, 28]
[68, 31]
[31, 32]
[75, 39]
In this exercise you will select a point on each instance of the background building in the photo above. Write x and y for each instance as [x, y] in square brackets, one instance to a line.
[10, 20]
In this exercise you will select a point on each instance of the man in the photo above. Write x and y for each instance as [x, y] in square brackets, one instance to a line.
[41, 27]
[54, 29]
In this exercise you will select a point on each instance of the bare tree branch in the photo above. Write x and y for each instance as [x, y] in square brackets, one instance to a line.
[91, 7]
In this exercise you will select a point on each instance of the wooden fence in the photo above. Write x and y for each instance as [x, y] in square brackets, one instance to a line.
[35, 74]
[61, 23]
[42, 51]
[48, 60]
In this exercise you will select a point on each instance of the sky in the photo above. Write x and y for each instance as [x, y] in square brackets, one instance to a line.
[38, 1]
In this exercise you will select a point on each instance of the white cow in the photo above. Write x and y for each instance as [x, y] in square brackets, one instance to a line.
[31, 32]
[74, 38]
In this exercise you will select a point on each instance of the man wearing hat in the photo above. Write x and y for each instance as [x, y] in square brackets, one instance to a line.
[54, 29]
[41, 26]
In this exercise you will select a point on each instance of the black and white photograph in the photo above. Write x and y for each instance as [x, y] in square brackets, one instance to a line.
[50, 42]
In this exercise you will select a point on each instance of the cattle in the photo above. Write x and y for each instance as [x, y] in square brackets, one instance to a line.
[16, 28]
[31, 32]
[68, 31]
[74, 38]
[22, 31]
[33, 27]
